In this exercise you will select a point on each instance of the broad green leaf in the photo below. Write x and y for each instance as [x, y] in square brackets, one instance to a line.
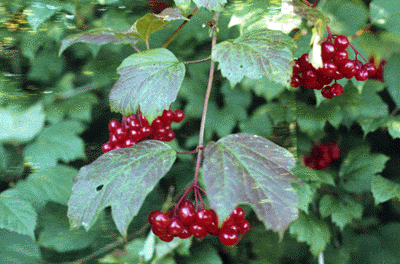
[386, 13]
[212, 5]
[20, 126]
[17, 215]
[56, 142]
[264, 87]
[256, 54]
[256, 14]
[309, 229]
[41, 10]
[150, 79]
[131, 174]
[164, 251]
[359, 167]
[171, 14]
[245, 168]
[107, 2]
[56, 234]
[204, 253]
[50, 184]
[307, 174]
[149, 24]
[342, 209]
[101, 36]
[384, 189]
[392, 77]
[17, 248]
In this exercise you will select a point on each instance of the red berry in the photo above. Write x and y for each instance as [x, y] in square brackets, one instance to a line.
[321, 164]
[338, 75]
[186, 203]
[323, 80]
[129, 143]
[113, 125]
[121, 133]
[170, 135]
[161, 221]
[296, 68]
[185, 233]
[295, 81]
[157, 6]
[145, 131]
[370, 67]
[340, 57]
[204, 217]
[108, 146]
[118, 146]
[329, 69]
[348, 69]
[358, 65]
[334, 150]
[198, 230]
[336, 89]
[213, 229]
[134, 124]
[187, 214]
[327, 50]
[327, 92]
[178, 116]
[238, 214]
[305, 63]
[151, 216]
[113, 139]
[166, 237]
[158, 232]
[244, 226]
[166, 117]
[175, 227]
[135, 135]
[362, 75]
[143, 120]
[341, 42]
[228, 237]
[157, 123]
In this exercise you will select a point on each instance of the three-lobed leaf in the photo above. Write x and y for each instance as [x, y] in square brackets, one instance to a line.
[256, 54]
[245, 168]
[150, 79]
[122, 179]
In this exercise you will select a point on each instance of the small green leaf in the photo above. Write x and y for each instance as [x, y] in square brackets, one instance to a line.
[51, 184]
[384, 189]
[17, 214]
[255, 54]
[58, 141]
[394, 127]
[341, 209]
[151, 79]
[359, 167]
[172, 14]
[386, 14]
[212, 5]
[392, 78]
[245, 168]
[17, 126]
[132, 174]
[311, 230]
[149, 24]
[101, 36]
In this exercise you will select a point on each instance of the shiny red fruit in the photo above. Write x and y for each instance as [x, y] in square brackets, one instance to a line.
[187, 214]
[178, 116]
[228, 237]
[108, 146]
[204, 217]
[341, 42]
[244, 226]
[113, 125]
[175, 227]
[198, 231]
[166, 237]
[238, 214]
[161, 221]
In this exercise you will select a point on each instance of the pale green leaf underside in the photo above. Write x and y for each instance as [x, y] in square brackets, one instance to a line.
[122, 179]
[214, 5]
[256, 54]
[150, 79]
[384, 189]
[245, 168]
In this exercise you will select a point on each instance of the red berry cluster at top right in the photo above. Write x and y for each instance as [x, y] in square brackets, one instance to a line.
[336, 65]
[322, 155]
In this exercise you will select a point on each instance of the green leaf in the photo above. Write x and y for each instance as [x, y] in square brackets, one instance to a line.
[58, 141]
[56, 234]
[313, 15]
[309, 229]
[394, 127]
[151, 79]
[149, 24]
[204, 253]
[256, 14]
[384, 189]
[50, 184]
[101, 36]
[245, 168]
[255, 54]
[132, 174]
[171, 14]
[392, 78]
[359, 167]
[307, 174]
[11, 162]
[19, 126]
[342, 209]
[212, 5]
[41, 10]
[16, 248]
[305, 194]
[264, 87]
[17, 214]
[130, 254]
[386, 14]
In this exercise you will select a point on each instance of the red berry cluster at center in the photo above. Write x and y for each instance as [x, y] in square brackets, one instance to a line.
[322, 155]
[336, 65]
[183, 222]
[136, 127]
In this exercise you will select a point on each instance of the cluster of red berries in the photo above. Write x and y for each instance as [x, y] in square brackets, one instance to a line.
[185, 222]
[336, 65]
[379, 71]
[322, 155]
[136, 127]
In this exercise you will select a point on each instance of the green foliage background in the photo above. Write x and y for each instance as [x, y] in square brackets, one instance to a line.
[54, 112]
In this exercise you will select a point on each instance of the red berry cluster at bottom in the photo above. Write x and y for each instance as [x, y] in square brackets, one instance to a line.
[185, 222]
[322, 155]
